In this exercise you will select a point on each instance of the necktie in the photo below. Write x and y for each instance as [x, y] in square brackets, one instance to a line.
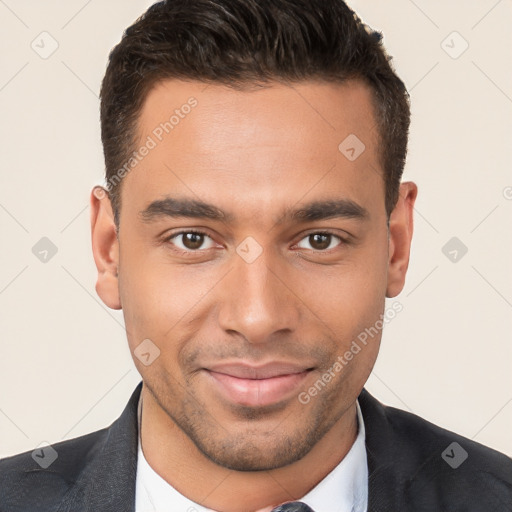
[293, 506]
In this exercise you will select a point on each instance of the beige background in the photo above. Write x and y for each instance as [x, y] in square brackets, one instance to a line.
[65, 368]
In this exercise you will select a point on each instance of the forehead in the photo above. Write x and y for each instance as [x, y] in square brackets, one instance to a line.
[257, 147]
[304, 108]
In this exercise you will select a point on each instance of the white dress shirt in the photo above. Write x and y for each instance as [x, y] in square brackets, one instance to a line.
[344, 489]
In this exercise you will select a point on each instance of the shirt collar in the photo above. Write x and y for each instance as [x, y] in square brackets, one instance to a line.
[344, 489]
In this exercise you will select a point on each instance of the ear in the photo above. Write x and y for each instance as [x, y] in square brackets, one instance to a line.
[400, 236]
[105, 247]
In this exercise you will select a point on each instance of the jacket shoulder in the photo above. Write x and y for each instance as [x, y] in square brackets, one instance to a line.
[96, 471]
[451, 469]
[428, 440]
[39, 479]
[434, 468]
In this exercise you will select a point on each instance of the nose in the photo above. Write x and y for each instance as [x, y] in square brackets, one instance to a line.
[257, 299]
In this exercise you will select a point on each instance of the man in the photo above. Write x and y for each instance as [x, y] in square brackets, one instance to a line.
[253, 224]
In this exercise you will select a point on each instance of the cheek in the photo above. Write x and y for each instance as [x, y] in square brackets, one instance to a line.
[350, 294]
[152, 296]
[159, 298]
[349, 300]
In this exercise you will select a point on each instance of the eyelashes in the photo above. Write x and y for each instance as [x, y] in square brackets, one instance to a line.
[195, 244]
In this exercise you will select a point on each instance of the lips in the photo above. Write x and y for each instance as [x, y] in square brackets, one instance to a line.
[257, 386]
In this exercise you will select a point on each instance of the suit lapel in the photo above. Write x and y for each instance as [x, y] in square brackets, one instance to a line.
[384, 484]
[107, 483]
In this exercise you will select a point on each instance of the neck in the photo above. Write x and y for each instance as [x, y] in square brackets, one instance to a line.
[171, 453]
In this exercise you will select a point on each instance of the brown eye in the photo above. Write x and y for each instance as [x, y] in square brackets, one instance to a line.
[319, 241]
[191, 241]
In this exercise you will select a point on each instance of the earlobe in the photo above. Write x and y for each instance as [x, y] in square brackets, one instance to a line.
[105, 247]
[400, 237]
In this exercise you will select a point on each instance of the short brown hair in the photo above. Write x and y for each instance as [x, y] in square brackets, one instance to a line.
[243, 42]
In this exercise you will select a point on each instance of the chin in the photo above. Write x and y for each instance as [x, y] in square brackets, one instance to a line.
[240, 454]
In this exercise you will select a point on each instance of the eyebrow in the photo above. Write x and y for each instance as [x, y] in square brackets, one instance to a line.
[192, 208]
[176, 207]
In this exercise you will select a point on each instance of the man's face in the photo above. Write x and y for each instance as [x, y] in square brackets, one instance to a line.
[255, 307]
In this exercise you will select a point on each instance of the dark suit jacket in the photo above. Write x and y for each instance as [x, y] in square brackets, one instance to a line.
[411, 463]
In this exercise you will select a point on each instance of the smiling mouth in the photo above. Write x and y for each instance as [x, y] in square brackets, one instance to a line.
[257, 386]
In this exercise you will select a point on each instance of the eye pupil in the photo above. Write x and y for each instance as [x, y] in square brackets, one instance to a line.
[320, 241]
[193, 240]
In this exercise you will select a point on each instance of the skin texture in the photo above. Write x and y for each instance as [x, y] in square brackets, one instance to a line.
[253, 154]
